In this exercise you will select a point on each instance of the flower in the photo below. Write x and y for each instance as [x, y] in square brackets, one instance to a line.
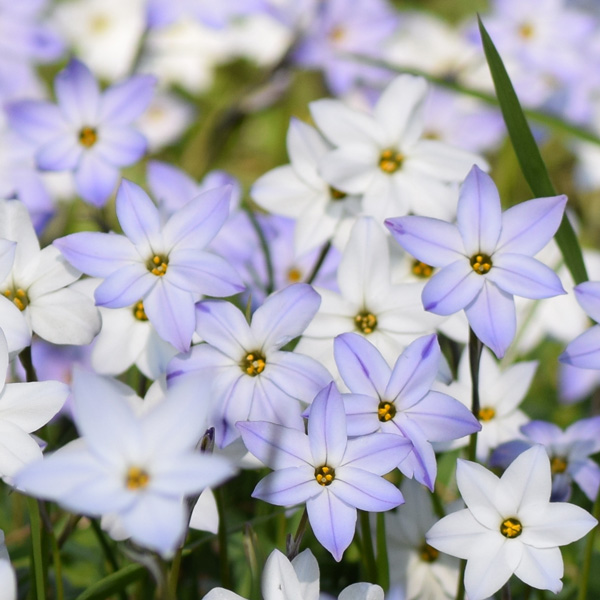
[8, 577]
[510, 526]
[332, 474]
[248, 375]
[400, 400]
[486, 258]
[138, 468]
[165, 267]
[89, 132]
[383, 156]
[297, 580]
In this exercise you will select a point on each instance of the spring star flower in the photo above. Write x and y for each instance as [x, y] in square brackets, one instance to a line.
[332, 474]
[486, 258]
[137, 467]
[510, 526]
[89, 132]
[400, 400]
[163, 267]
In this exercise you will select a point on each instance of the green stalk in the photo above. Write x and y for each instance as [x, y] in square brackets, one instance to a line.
[56, 561]
[173, 578]
[383, 564]
[368, 553]
[222, 536]
[319, 263]
[293, 544]
[265, 248]
[589, 550]
[36, 543]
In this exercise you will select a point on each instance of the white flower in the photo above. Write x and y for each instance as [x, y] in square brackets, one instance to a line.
[137, 467]
[383, 155]
[510, 526]
[500, 394]
[36, 283]
[24, 408]
[297, 580]
[8, 578]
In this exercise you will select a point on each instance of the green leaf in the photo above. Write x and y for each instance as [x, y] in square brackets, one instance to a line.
[113, 583]
[528, 154]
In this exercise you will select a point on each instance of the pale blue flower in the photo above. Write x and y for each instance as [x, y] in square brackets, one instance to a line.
[486, 258]
[332, 474]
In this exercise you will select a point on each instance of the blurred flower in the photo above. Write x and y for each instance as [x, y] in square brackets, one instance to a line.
[569, 452]
[486, 258]
[8, 577]
[332, 474]
[509, 526]
[400, 400]
[89, 132]
[139, 468]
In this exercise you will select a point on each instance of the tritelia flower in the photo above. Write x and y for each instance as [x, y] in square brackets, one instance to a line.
[8, 577]
[89, 132]
[299, 191]
[384, 156]
[400, 400]
[163, 266]
[37, 282]
[510, 526]
[139, 468]
[569, 452]
[486, 257]
[297, 580]
[332, 474]
[248, 374]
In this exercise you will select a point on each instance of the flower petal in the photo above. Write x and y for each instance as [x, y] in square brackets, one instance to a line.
[541, 568]
[587, 295]
[137, 214]
[584, 351]
[120, 146]
[279, 579]
[61, 153]
[492, 317]
[125, 286]
[327, 428]
[379, 453]
[95, 179]
[365, 490]
[479, 215]
[124, 102]
[35, 120]
[288, 487]
[78, 94]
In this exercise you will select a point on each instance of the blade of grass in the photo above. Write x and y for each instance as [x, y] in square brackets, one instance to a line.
[528, 154]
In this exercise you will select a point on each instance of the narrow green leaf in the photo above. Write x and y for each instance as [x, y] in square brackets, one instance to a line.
[113, 583]
[528, 154]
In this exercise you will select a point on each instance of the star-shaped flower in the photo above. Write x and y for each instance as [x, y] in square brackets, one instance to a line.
[510, 526]
[332, 474]
[486, 258]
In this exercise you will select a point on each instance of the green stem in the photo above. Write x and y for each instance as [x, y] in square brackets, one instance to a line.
[367, 547]
[56, 560]
[587, 557]
[293, 545]
[27, 363]
[222, 536]
[319, 263]
[383, 565]
[265, 248]
[106, 549]
[173, 578]
[36, 542]
[505, 593]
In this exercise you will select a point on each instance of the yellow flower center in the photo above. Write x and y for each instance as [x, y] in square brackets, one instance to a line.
[158, 264]
[526, 31]
[558, 465]
[428, 553]
[136, 478]
[481, 263]
[324, 475]
[138, 311]
[254, 363]
[511, 528]
[88, 137]
[336, 194]
[365, 322]
[486, 413]
[294, 275]
[421, 269]
[390, 161]
[18, 297]
[386, 411]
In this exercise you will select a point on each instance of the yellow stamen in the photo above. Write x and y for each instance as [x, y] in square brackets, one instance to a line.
[254, 363]
[138, 311]
[18, 297]
[324, 475]
[428, 553]
[421, 269]
[390, 161]
[88, 137]
[136, 478]
[158, 264]
[336, 194]
[386, 411]
[511, 528]
[526, 31]
[487, 413]
[481, 263]
[365, 322]
[294, 275]
[558, 465]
